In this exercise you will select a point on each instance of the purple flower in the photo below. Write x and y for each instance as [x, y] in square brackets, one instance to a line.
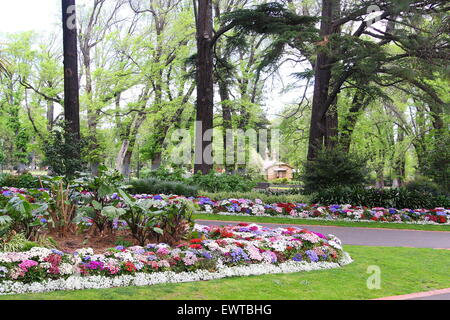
[297, 257]
[207, 255]
[312, 255]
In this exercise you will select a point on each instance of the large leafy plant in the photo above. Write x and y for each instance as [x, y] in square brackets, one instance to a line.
[153, 220]
[141, 216]
[28, 218]
[97, 197]
[62, 204]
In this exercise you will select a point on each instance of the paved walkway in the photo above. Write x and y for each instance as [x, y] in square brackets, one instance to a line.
[443, 294]
[369, 236]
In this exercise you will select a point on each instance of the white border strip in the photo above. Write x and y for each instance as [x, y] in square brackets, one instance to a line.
[147, 279]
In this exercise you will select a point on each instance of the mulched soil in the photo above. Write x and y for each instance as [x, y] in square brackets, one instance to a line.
[71, 242]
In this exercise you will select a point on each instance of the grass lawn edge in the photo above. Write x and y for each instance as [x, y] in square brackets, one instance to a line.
[326, 223]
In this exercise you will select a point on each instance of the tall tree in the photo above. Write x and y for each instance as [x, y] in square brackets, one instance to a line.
[205, 87]
[71, 84]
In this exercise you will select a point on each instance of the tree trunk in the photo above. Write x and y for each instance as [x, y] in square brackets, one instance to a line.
[156, 161]
[50, 115]
[205, 87]
[349, 123]
[318, 128]
[123, 160]
[71, 85]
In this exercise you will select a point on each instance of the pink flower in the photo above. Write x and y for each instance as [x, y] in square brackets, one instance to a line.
[25, 265]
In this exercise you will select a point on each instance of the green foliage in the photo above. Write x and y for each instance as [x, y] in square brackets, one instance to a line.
[26, 216]
[176, 221]
[98, 203]
[155, 186]
[27, 181]
[146, 222]
[62, 152]
[334, 168]
[437, 161]
[275, 20]
[213, 182]
[120, 241]
[165, 174]
[13, 243]
[421, 184]
[387, 198]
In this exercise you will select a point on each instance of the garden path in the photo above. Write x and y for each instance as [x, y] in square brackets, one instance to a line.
[369, 236]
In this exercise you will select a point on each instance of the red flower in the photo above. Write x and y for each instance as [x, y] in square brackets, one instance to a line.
[196, 240]
[130, 267]
[195, 246]
[243, 224]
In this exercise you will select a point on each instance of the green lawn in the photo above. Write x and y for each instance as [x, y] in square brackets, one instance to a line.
[323, 222]
[403, 270]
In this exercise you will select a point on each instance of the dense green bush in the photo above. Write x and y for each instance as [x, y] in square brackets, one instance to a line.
[19, 181]
[213, 182]
[264, 197]
[421, 184]
[62, 153]
[165, 174]
[334, 168]
[155, 186]
[387, 198]
[436, 161]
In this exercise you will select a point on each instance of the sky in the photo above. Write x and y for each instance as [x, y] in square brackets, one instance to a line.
[44, 16]
[26, 15]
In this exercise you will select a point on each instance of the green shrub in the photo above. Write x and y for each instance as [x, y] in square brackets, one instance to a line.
[155, 186]
[213, 182]
[334, 168]
[421, 184]
[13, 243]
[62, 152]
[164, 174]
[436, 161]
[387, 198]
[19, 181]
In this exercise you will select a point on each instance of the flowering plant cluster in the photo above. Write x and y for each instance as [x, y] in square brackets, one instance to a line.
[333, 212]
[213, 249]
[299, 210]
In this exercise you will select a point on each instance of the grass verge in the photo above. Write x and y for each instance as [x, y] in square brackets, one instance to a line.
[403, 271]
[277, 220]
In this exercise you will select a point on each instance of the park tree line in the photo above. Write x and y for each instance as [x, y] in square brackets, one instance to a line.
[374, 85]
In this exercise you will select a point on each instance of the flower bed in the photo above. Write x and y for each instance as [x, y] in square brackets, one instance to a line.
[246, 207]
[216, 252]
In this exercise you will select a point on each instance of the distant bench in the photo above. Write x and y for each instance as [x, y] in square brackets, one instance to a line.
[262, 186]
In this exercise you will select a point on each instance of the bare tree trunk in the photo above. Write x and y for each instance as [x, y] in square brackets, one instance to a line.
[123, 160]
[205, 86]
[156, 161]
[323, 127]
[50, 115]
[322, 80]
[71, 85]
